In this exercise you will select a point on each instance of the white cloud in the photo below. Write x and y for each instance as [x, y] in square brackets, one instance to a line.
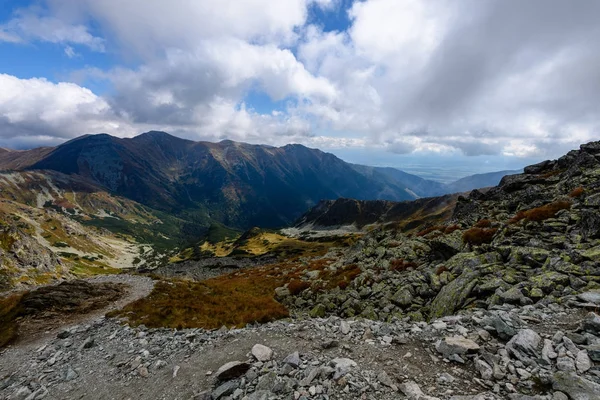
[37, 107]
[70, 52]
[30, 25]
[493, 77]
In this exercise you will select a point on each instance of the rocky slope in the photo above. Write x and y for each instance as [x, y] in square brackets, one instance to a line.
[53, 227]
[534, 238]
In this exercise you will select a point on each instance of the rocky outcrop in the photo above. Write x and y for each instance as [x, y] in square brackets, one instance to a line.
[534, 238]
[21, 255]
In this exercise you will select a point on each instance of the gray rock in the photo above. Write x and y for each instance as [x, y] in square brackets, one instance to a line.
[293, 359]
[385, 379]
[565, 364]
[21, 393]
[591, 324]
[267, 382]
[225, 389]
[576, 387]
[456, 345]
[344, 327]
[70, 374]
[260, 395]
[548, 353]
[342, 363]
[342, 366]
[523, 344]
[413, 392]
[583, 362]
[559, 396]
[484, 369]
[594, 352]
[89, 342]
[502, 327]
[262, 352]
[232, 370]
[312, 374]
[590, 297]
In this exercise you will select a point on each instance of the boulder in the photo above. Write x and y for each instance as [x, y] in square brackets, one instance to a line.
[262, 353]
[232, 370]
[524, 344]
[453, 295]
[576, 387]
[456, 345]
[403, 297]
[591, 324]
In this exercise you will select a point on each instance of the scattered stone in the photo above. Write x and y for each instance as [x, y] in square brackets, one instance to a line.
[225, 389]
[574, 386]
[262, 352]
[232, 370]
[293, 359]
[456, 345]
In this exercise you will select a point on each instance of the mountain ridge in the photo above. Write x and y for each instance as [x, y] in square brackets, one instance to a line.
[238, 184]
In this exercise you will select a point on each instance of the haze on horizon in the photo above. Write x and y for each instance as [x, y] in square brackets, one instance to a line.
[470, 86]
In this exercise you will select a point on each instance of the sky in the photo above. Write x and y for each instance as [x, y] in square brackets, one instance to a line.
[474, 85]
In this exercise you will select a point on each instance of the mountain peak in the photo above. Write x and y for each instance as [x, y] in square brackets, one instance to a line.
[157, 135]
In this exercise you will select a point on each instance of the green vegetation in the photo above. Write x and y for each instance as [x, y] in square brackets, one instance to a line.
[82, 270]
[6, 240]
[218, 233]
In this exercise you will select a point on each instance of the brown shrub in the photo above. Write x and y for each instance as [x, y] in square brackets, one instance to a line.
[541, 213]
[478, 236]
[441, 269]
[484, 223]
[233, 300]
[430, 229]
[399, 265]
[550, 174]
[342, 277]
[296, 286]
[449, 229]
[442, 229]
[577, 192]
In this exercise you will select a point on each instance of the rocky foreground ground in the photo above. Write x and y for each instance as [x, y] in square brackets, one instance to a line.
[505, 352]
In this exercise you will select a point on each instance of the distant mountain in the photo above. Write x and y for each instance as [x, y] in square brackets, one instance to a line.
[344, 212]
[478, 181]
[237, 184]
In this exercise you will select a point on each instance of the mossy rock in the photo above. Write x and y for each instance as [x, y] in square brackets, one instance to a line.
[593, 254]
[369, 313]
[531, 256]
[403, 297]
[547, 281]
[471, 261]
[318, 311]
[453, 296]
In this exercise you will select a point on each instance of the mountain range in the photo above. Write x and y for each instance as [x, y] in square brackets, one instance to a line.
[235, 184]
